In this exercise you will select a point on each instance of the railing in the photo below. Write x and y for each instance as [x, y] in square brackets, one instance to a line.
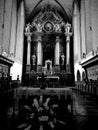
[7, 96]
[88, 89]
[7, 85]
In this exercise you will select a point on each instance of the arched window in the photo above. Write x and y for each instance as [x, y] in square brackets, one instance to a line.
[78, 76]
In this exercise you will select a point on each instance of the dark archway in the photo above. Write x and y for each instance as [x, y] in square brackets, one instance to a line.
[78, 76]
[48, 53]
[83, 76]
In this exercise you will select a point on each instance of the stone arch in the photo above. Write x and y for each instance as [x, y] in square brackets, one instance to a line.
[54, 6]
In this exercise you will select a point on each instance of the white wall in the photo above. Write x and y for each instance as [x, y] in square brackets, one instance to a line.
[7, 25]
[94, 12]
[1, 20]
[20, 32]
[13, 28]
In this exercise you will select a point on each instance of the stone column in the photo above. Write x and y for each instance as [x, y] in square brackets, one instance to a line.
[76, 31]
[19, 33]
[28, 34]
[28, 51]
[82, 16]
[39, 54]
[57, 53]
[68, 35]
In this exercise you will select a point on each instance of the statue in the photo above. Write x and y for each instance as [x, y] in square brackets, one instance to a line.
[28, 28]
[37, 25]
[28, 32]
[67, 28]
[68, 32]
[62, 59]
[57, 28]
[33, 59]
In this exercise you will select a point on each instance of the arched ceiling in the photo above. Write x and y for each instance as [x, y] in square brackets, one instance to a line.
[66, 5]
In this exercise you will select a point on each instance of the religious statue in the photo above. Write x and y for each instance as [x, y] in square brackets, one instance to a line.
[68, 32]
[68, 28]
[28, 32]
[62, 59]
[33, 59]
[28, 28]
[57, 28]
[37, 25]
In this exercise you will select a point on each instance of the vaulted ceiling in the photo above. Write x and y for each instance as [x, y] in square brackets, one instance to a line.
[66, 5]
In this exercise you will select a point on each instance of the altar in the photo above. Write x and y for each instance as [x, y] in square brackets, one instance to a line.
[49, 45]
[49, 81]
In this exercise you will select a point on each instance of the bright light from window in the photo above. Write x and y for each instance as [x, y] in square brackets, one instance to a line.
[15, 70]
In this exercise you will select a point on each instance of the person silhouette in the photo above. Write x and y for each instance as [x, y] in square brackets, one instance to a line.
[43, 80]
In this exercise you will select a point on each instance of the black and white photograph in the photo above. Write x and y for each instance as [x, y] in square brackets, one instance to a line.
[48, 64]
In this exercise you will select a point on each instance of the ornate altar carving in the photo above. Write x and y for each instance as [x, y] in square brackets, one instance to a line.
[46, 32]
[48, 26]
[48, 20]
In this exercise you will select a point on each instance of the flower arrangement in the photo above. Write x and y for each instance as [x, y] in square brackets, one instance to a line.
[41, 115]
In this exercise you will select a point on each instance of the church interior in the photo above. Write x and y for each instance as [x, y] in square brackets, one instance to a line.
[48, 64]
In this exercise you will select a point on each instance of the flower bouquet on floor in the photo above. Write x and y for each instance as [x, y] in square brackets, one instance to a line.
[41, 115]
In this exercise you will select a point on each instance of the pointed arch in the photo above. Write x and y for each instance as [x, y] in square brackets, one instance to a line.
[54, 5]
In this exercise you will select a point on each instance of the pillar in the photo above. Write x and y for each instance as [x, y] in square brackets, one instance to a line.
[28, 51]
[28, 34]
[76, 30]
[57, 54]
[57, 51]
[83, 28]
[67, 51]
[28, 66]
[39, 54]
[68, 35]
[19, 40]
